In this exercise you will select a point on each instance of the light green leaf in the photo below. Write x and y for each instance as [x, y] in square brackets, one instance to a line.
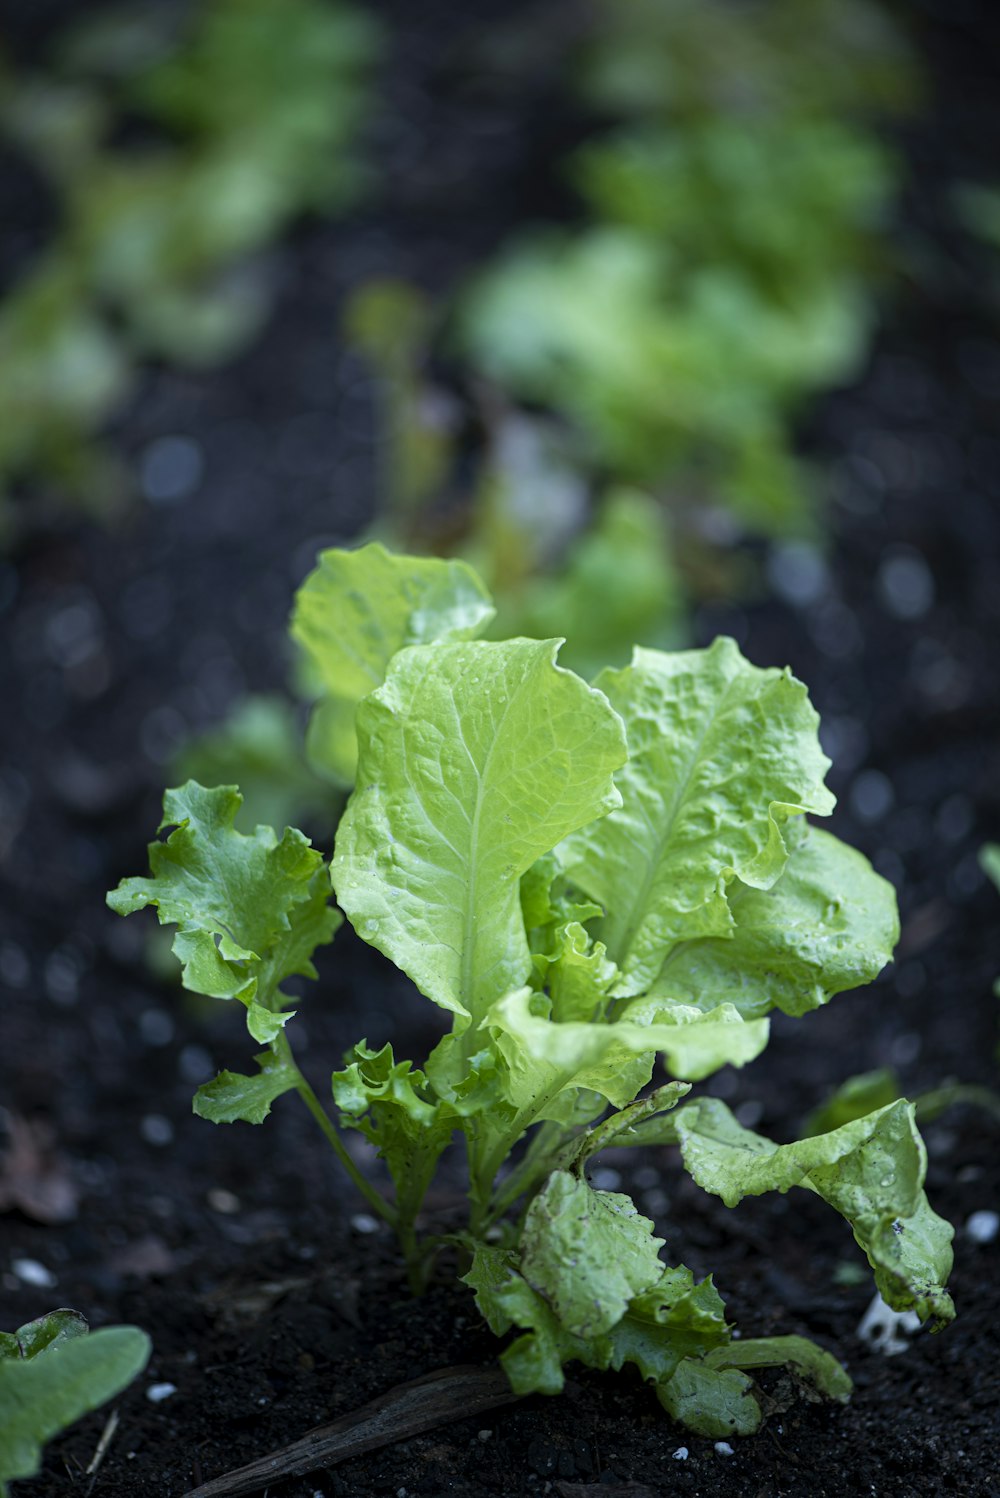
[352, 614]
[576, 973]
[871, 1171]
[249, 910]
[710, 1401]
[388, 1102]
[616, 1059]
[547, 903]
[41, 1394]
[721, 754]
[587, 1253]
[232, 1097]
[533, 1362]
[674, 1318]
[475, 759]
[264, 1025]
[810, 1362]
[829, 924]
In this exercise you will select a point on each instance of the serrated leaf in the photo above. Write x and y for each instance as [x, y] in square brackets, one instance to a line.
[42, 1394]
[721, 754]
[546, 902]
[576, 972]
[475, 759]
[233, 1098]
[615, 1059]
[249, 910]
[392, 1105]
[587, 1253]
[871, 1171]
[354, 612]
[828, 925]
[674, 1319]
[713, 1402]
[534, 1361]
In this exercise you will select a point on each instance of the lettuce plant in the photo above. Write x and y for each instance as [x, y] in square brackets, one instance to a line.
[583, 878]
[52, 1371]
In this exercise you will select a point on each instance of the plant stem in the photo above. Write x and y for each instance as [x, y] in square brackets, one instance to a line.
[281, 1048]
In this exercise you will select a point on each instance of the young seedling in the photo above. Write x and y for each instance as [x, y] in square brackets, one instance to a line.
[52, 1371]
[585, 878]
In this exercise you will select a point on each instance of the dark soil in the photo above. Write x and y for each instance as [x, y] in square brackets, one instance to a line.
[271, 1305]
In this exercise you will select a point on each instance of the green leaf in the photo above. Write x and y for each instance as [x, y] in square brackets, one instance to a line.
[547, 904]
[250, 910]
[810, 1362]
[576, 973]
[232, 1097]
[354, 612]
[829, 924]
[43, 1392]
[672, 1320]
[642, 1122]
[710, 1401]
[855, 1098]
[587, 1252]
[544, 1058]
[871, 1171]
[989, 858]
[387, 1102]
[721, 754]
[475, 759]
[533, 1362]
[45, 1332]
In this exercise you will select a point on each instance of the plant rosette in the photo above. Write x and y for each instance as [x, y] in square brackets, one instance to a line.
[590, 879]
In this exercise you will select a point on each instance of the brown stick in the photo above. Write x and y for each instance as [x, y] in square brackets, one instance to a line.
[407, 1410]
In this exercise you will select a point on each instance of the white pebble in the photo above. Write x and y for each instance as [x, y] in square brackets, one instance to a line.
[885, 1329]
[361, 1222]
[982, 1227]
[157, 1393]
[681, 1454]
[30, 1272]
[484, 1435]
[723, 1448]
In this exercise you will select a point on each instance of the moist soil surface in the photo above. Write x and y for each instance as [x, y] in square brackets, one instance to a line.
[274, 1302]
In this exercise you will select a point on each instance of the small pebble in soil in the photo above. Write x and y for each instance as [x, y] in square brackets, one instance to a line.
[157, 1393]
[484, 1435]
[362, 1222]
[156, 1129]
[681, 1454]
[723, 1448]
[223, 1201]
[31, 1272]
[983, 1226]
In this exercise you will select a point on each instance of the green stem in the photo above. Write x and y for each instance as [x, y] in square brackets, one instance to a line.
[281, 1047]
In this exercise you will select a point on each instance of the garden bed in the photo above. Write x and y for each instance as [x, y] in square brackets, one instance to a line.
[272, 1305]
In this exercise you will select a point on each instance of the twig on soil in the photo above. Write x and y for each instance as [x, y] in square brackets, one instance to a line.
[407, 1410]
[107, 1436]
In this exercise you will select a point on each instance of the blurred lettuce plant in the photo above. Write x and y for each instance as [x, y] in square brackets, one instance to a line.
[253, 107]
[736, 220]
